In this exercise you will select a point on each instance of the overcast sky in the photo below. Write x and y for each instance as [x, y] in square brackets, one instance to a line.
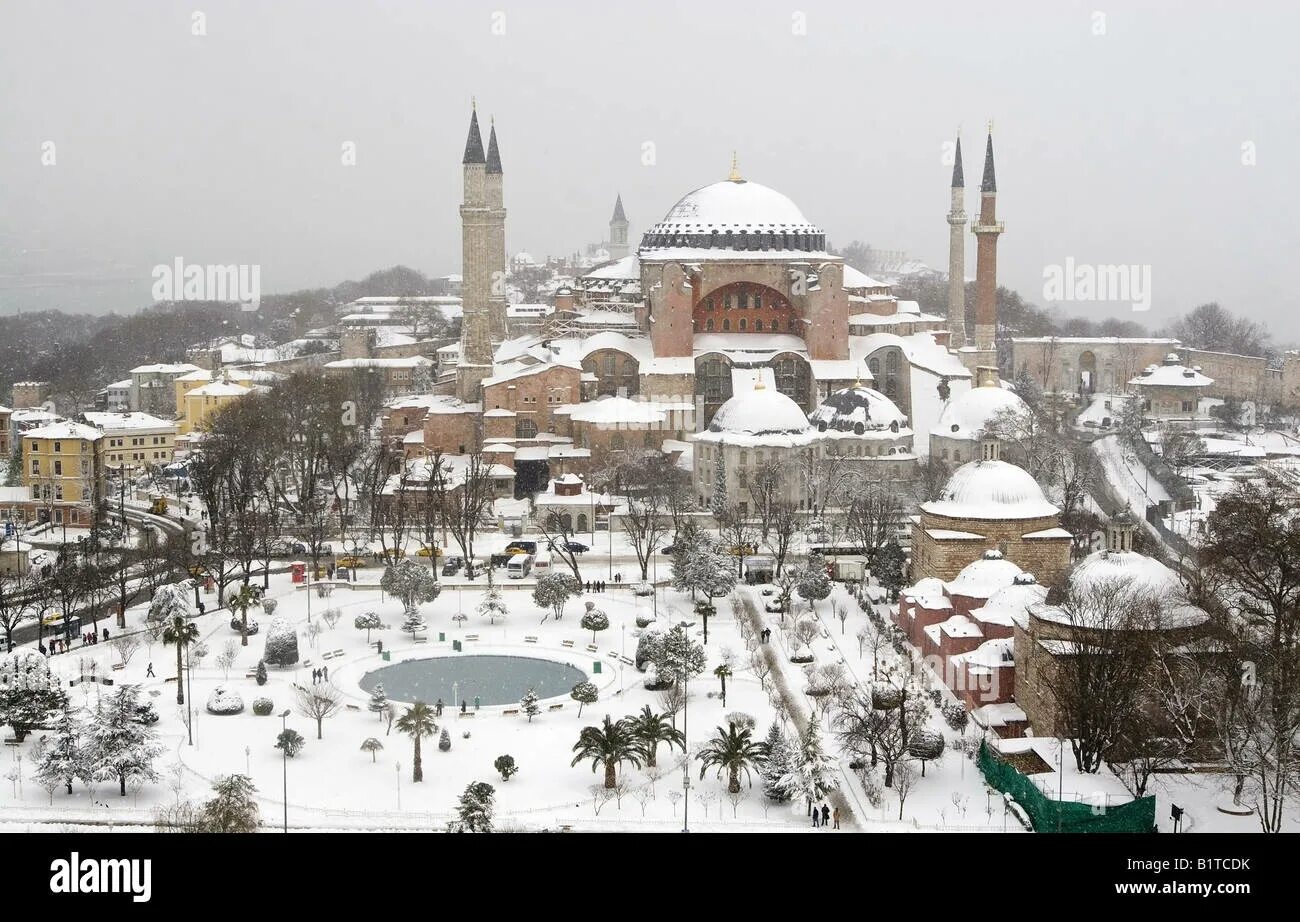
[1122, 147]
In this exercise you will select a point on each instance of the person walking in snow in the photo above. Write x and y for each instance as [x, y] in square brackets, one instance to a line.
[325, 673]
[148, 673]
[816, 817]
[463, 705]
[438, 707]
[826, 814]
[835, 815]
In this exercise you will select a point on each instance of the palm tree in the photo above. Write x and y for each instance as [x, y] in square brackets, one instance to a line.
[247, 597]
[651, 729]
[182, 632]
[723, 672]
[609, 745]
[734, 751]
[417, 723]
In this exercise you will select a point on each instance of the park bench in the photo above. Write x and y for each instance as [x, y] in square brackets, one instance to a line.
[556, 707]
[627, 660]
[251, 674]
[327, 655]
[117, 666]
[338, 653]
[471, 637]
[510, 713]
[467, 713]
[421, 639]
[530, 640]
[592, 648]
[352, 707]
[567, 643]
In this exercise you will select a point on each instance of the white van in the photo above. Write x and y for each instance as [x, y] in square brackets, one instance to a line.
[542, 562]
[519, 566]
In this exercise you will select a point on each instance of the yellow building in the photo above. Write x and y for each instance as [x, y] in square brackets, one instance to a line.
[134, 441]
[202, 402]
[63, 468]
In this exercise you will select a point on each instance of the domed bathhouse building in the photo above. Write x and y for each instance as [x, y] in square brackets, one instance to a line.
[868, 432]
[990, 504]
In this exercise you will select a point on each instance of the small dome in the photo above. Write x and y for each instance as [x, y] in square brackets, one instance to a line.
[1011, 602]
[761, 411]
[858, 410]
[968, 414]
[985, 576]
[1101, 567]
[991, 490]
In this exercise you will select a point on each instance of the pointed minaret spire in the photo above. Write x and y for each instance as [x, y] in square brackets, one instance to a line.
[473, 143]
[734, 176]
[618, 209]
[493, 155]
[990, 182]
[958, 179]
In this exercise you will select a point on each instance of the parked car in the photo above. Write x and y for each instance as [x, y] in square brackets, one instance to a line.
[767, 590]
[428, 551]
[326, 550]
[668, 549]
[519, 546]
[351, 562]
[238, 627]
[774, 607]
[452, 566]
[574, 547]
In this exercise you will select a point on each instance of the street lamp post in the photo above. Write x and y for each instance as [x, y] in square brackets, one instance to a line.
[686, 763]
[284, 764]
[399, 785]
[189, 696]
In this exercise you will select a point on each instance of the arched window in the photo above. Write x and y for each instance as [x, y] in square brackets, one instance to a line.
[758, 325]
[742, 324]
[525, 428]
[708, 325]
[726, 324]
[582, 521]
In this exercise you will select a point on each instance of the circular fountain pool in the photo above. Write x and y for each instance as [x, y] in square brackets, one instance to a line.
[492, 679]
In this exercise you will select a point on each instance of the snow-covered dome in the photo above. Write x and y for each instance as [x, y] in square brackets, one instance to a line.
[967, 414]
[1011, 602]
[1101, 567]
[982, 578]
[735, 214]
[858, 410]
[761, 411]
[991, 490]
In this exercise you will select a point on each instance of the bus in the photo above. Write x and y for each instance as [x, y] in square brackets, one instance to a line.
[542, 562]
[520, 565]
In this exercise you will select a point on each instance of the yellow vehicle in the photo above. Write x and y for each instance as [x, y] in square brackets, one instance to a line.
[428, 552]
[158, 506]
[198, 572]
[351, 562]
[741, 550]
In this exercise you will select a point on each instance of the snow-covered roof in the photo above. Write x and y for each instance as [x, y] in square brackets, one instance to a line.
[1011, 602]
[220, 389]
[759, 411]
[1171, 374]
[622, 411]
[855, 279]
[991, 490]
[110, 422]
[414, 361]
[966, 415]
[629, 267]
[921, 350]
[65, 430]
[165, 368]
[1122, 572]
[858, 410]
[980, 579]
[510, 373]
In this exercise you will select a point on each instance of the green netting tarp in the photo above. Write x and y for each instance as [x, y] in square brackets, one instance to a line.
[1049, 815]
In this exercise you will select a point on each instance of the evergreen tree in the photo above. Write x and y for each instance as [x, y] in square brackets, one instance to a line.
[814, 585]
[261, 672]
[234, 809]
[888, 567]
[475, 808]
[492, 606]
[29, 694]
[698, 567]
[811, 775]
[529, 705]
[593, 619]
[410, 582]
[378, 703]
[719, 504]
[413, 623]
[506, 766]
[367, 622]
[584, 693]
[281, 643]
[777, 765]
[444, 741]
[553, 590]
[118, 746]
[679, 657]
[64, 760]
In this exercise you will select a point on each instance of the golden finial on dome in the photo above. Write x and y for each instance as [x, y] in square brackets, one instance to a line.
[473, 103]
[758, 383]
[990, 126]
[734, 176]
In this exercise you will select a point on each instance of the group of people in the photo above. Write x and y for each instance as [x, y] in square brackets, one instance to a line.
[823, 816]
[58, 645]
[765, 635]
[594, 585]
[320, 675]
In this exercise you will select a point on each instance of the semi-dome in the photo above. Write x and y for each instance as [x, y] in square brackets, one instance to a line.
[1126, 572]
[968, 414]
[735, 214]
[858, 410]
[991, 490]
[760, 411]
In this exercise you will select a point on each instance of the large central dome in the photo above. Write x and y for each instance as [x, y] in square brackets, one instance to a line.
[735, 215]
[991, 490]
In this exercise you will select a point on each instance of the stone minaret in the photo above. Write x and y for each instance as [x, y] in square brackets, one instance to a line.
[496, 236]
[987, 227]
[618, 231]
[957, 256]
[476, 226]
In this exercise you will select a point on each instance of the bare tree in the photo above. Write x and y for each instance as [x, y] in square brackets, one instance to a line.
[784, 525]
[318, 702]
[469, 498]
[767, 489]
[905, 780]
[125, 645]
[873, 514]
